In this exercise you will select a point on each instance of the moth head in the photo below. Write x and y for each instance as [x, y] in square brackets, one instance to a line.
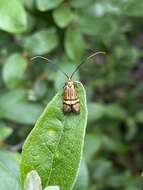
[69, 83]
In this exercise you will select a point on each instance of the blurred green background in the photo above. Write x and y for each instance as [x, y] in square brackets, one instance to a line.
[66, 31]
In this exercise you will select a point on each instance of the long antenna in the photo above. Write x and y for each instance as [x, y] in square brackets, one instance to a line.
[83, 61]
[50, 61]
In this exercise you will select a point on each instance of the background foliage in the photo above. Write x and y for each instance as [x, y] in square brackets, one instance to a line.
[66, 31]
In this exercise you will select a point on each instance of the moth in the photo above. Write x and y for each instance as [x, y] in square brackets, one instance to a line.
[71, 102]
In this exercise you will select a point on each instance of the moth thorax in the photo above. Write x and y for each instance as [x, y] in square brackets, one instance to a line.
[69, 83]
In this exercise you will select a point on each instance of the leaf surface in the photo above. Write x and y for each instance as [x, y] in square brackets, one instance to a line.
[45, 5]
[63, 16]
[33, 181]
[16, 108]
[12, 16]
[54, 147]
[13, 70]
[9, 171]
[41, 42]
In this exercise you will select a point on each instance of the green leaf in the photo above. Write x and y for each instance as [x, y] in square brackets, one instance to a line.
[96, 26]
[97, 111]
[118, 180]
[7, 179]
[32, 181]
[115, 111]
[17, 109]
[131, 128]
[45, 5]
[62, 16]
[41, 42]
[12, 16]
[102, 8]
[29, 4]
[54, 147]
[24, 113]
[121, 8]
[74, 44]
[40, 88]
[92, 144]
[82, 179]
[11, 162]
[13, 70]
[102, 168]
[132, 8]
[4, 131]
[80, 3]
[9, 171]
[139, 116]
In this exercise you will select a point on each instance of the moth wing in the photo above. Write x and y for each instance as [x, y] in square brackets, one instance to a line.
[67, 108]
[76, 107]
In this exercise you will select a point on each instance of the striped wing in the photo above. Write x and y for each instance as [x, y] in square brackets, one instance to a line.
[70, 96]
